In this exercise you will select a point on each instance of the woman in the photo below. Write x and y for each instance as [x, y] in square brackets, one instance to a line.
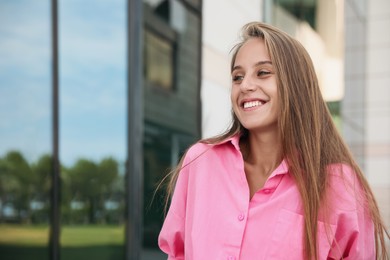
[280, 183]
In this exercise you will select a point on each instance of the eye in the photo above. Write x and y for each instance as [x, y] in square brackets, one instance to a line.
[237, 78]
[262, 73]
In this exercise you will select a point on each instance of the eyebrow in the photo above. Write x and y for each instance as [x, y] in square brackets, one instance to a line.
[257, 64]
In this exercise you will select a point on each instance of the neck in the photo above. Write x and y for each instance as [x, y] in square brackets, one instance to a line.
[262, 150]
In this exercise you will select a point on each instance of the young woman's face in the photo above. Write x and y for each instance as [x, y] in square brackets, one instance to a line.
[254, 92]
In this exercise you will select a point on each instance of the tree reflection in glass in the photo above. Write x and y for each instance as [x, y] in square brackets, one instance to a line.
[25, 129]
[92, 78]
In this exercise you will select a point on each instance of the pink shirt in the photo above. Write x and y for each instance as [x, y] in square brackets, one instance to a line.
[212, 218]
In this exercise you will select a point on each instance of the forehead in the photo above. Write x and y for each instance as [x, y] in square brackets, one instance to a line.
[252, 51]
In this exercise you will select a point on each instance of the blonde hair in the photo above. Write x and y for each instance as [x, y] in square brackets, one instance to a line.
[305, 128]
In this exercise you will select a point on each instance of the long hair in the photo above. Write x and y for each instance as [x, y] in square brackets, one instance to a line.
[310, 140]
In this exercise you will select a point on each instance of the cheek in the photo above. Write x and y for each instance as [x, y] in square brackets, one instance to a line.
[232, 97]
[234, 94]
[233, 100]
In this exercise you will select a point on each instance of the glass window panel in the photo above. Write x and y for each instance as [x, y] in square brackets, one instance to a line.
[335, 111]
[170, 120]
[304, 10]
[162, 149]
[25, 129]
[195, 3]
[159, 65]
[92, 128]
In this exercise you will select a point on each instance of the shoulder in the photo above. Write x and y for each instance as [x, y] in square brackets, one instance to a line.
[344, 188]
[197, 149]
[343, 175]
[201, 149]
[349, 212]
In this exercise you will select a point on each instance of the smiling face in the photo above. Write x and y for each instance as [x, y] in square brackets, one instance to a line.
[254, 93]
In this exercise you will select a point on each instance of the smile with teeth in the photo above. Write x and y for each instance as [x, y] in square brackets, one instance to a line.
[251, 104]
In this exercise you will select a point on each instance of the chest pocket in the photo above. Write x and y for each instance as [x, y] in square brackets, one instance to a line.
[287, 238]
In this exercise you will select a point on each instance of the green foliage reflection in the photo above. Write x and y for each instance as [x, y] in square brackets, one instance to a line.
[92, 208]
[24, 189]
[91, 192]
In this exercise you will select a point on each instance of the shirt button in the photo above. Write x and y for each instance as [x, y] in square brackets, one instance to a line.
[241, 217]
[267, 191]
[230, 257]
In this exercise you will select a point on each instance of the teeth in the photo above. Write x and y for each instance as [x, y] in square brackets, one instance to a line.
[252, 104]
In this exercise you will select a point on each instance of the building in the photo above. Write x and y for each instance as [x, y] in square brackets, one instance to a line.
[219, 37]
[366, 104]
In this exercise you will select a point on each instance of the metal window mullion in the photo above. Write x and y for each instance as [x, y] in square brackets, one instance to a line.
[134, 169]
[54, 246]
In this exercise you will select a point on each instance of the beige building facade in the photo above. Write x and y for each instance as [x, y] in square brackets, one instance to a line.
[366, 105]
[222, 20]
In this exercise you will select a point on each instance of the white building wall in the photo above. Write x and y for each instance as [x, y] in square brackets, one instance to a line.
[222, 20]
[366, 106]
[377, 152]
[324, 45]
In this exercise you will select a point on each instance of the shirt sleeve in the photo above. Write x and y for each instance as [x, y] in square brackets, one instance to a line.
[171, 239]
[354, 235]
[172, 234]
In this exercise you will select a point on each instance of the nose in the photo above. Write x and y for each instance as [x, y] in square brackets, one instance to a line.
[248, 84]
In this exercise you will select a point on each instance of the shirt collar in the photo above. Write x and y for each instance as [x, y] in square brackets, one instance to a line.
[281, 169]
[235, 141]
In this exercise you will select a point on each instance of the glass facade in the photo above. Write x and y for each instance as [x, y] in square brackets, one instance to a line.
[93, 111]
[171, 103]
[25, 129]
[159, 61]
[92, 128]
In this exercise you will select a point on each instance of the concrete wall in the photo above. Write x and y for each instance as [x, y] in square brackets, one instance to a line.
[366, 106]
[222, 20]
[325, 44]
[377, 97]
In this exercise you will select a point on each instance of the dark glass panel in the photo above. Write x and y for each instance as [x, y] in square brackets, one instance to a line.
[25, 129]
[194, 3]
[162, 149]
[335, 110]
[92, 128]
[304, 10]
[159, 61]
[171, 117]
[161, 8]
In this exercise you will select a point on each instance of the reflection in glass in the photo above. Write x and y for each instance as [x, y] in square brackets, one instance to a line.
[171, 62]
[92, 128]
[162, 149]
[159, 61]
[25, 123]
